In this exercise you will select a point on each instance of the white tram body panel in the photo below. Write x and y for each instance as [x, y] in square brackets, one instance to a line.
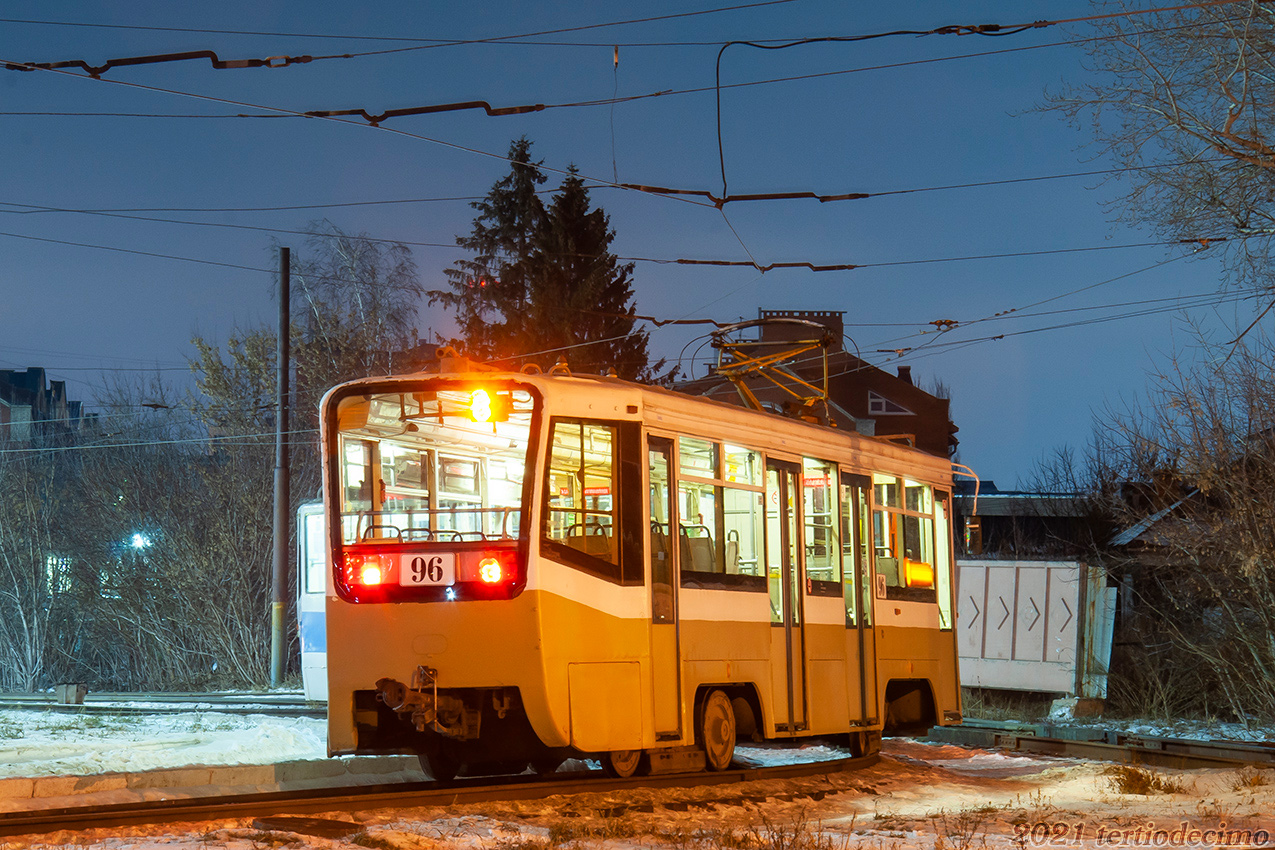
[654, 558]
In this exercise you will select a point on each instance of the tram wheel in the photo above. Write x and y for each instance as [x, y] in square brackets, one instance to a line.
[863, 743]
[621, 763]
[717, 731]
[440, 765]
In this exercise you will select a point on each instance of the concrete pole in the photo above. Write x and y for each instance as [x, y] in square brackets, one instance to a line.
[279, 585]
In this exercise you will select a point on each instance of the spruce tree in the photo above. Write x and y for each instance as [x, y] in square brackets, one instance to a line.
[582, 293]
[543, 283]
[489, 292]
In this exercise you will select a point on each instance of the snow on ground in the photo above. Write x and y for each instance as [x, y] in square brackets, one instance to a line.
[932, 796]
[902, 802]
[59, 744]
[1195, 730]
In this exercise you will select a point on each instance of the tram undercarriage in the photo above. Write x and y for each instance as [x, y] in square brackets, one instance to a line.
[485, 731]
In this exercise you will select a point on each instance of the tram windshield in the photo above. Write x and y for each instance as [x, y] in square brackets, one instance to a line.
[443, 463]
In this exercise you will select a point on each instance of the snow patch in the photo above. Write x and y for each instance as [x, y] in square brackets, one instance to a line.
[34, 744]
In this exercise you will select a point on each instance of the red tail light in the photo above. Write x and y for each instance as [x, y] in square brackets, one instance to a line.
[394, 573]
[367, 569]
[490, 570]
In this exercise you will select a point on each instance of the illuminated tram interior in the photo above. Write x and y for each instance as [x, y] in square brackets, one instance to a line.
[433, 466]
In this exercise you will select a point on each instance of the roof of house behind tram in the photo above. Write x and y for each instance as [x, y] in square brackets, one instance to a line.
[872, 400]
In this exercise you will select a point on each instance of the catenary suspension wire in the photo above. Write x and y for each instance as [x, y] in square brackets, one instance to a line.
[979, 29]
[499, 40]
[440, 42]
[282, 110]
[284, 61]
[751, 263]
[978, 184]
[229, 439]
[666, 92]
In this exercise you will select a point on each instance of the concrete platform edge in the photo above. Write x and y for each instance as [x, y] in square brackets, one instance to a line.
[302, 773]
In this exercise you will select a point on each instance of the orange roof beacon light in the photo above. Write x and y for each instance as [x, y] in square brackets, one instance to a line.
[486, 406]
[480, 406]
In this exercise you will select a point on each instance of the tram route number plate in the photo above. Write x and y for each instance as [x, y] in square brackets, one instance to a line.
[427, 570]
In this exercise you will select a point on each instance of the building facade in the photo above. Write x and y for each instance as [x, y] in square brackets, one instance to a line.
[34, 409]
[863, 397]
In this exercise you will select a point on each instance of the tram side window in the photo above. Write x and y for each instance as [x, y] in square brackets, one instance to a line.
[903, 536]
[719, 499]
[315, 559]
[823, 572]
[405, 472]
[661, 507]
[943, 559]
[855, 554]
[582, 522]
[744, 530]
[699, 506]
[357, 460]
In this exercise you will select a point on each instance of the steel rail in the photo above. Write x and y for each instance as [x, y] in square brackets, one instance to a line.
[1107, 745]
[279, 705]
[408, 794]
[233, 697]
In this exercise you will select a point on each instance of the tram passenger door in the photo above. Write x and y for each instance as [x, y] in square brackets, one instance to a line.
[666, 665]
[783, 571]
[856, 538]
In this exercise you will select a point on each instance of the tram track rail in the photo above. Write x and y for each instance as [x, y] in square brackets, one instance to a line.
[401, 795]
[138, 704]
[1107, 745]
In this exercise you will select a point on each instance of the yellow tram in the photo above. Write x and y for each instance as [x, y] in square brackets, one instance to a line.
[530, 567]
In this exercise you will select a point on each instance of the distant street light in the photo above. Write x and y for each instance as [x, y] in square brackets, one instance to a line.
[140, 541]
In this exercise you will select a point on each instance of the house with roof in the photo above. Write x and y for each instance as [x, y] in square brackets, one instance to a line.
[861, 396]
[34, 409]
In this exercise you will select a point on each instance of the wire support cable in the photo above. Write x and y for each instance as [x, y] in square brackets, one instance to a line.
[219, 64]
[515, 39]
[341, 120]
[1200, 244]
[96, 71]
[992, 30]
[655, 190]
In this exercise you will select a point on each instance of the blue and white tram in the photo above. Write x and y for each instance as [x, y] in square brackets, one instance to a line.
[312, 585]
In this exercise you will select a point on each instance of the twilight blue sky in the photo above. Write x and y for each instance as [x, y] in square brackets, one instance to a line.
[901, 113]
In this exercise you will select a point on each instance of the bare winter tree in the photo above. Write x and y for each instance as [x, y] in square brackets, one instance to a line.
[354, 306]
[1185, 99]
[29, 493]
[143, 559]
[1202, 455]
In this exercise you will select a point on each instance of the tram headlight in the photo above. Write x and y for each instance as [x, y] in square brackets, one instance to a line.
[490, 570]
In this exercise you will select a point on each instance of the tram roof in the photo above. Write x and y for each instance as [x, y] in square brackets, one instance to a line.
[683, 409]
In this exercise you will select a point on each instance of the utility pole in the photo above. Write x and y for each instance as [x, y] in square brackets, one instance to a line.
[279, 585]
